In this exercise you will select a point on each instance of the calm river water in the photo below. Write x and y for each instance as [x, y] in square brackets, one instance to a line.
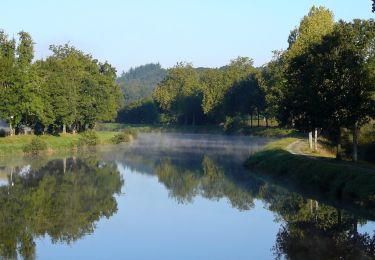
[169, 196]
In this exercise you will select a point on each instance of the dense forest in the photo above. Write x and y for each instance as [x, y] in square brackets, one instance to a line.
[69, 90]
[324, 82]
[139, 82]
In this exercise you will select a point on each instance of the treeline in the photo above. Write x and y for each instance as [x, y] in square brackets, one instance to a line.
[139, 83]
[67, 91]
[323, 82]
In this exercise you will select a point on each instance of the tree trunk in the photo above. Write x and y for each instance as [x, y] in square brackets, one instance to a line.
[338, 151]
[64, 129]
[258, 117]
[355, 142]
[251, 119]
[266, 121]
[310, 140]
[316, 139]
[10, 129]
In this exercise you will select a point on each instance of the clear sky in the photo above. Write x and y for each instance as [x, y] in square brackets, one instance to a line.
[128, 33]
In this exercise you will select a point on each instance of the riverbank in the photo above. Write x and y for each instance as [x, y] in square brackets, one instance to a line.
[209, 129]
[14, 145]
[339, 179]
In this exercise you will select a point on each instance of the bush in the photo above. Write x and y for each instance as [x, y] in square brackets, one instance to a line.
[232, 124]
[89, 138]
[125, 136]
[36, 145]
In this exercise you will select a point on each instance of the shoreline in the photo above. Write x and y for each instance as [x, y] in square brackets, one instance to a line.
[341, 180]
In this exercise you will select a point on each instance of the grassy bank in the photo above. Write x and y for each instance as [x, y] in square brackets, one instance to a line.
[342, 180]
[15, 144]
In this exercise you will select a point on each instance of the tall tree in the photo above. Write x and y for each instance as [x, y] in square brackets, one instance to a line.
[180, 94]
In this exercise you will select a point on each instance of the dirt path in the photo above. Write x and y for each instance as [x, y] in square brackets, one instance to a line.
[296, 147]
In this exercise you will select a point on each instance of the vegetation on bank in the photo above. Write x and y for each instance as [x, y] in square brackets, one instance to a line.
[31, 144]
[69, 91]
[339, 179]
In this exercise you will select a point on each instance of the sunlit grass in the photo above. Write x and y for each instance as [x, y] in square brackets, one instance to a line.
[340, 179]
[14, 144]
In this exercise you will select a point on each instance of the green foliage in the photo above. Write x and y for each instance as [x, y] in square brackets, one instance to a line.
[36, 145]
[231, 90]
[232, 124]
[139, 83]
[69, 89]
[125, 136]
[89, 138]
[312, 28]
[139, 112]
[180, 95]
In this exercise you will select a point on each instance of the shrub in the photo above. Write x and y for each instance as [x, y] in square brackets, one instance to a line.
[232, 124]
[36, 145]
[125, 136]
[89, 138]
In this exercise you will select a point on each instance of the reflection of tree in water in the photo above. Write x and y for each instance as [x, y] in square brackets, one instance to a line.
[63, 199]
[324, 233]
[207, 179]
[311, 230]
[315, 231]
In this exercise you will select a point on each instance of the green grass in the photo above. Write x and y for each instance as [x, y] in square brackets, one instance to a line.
[12, 145]
[272, 132]
[343, 180]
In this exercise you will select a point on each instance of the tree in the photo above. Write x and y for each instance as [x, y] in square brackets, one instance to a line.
[180, 94]
[313, 27]
[80, 90]
[272, 81]
[355, 49]
[139, 82]
[218, 83]
[139, 112]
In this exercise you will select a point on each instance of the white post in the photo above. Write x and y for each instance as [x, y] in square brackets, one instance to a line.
[310, 140]
[316, 139]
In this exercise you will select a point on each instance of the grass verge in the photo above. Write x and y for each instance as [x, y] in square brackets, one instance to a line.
[342, 180]
[14, 145]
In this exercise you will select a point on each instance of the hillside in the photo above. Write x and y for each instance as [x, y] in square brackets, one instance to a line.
[138, 83]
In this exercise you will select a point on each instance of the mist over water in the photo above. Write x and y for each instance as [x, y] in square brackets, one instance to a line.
[235, 147]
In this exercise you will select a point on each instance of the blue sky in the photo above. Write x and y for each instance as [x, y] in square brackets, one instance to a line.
[130, 33]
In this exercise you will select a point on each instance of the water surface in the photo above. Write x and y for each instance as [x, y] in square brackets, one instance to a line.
[169, 196]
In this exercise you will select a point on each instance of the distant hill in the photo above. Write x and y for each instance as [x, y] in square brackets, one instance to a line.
[139, 83]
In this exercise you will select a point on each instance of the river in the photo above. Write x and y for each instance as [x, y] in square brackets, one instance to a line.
[169, 196]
